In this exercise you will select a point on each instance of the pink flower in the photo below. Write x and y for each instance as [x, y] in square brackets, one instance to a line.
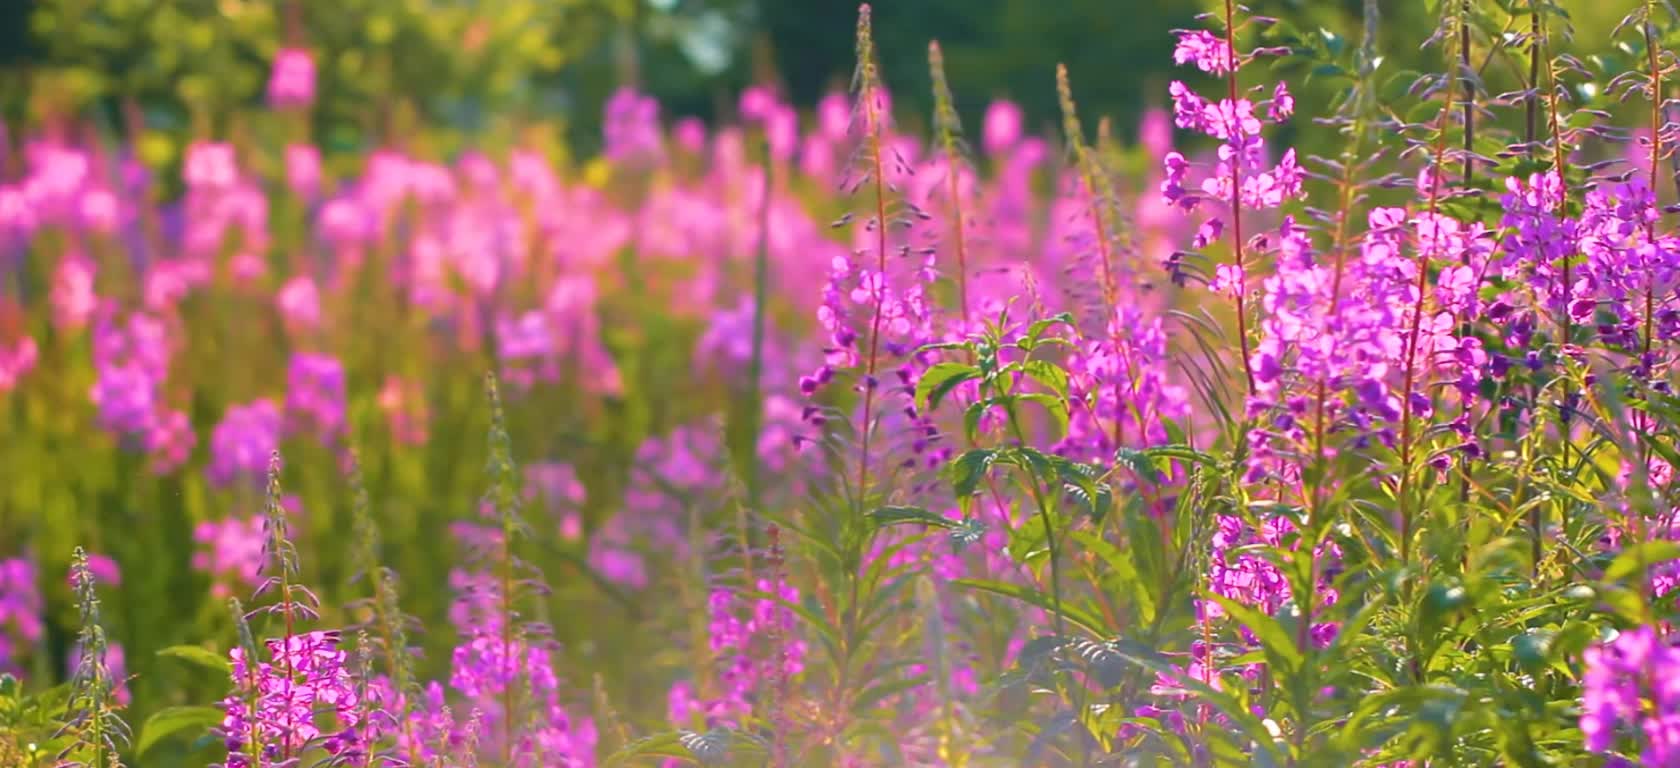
[303, 169]
[1283, 103]
[1210, 54]
[404, 405]
[1002, 129]
[170, 441]
[300, 303]
[73, 298]
[210, 165]
[231, 552]
[16, 362]
[292, 82]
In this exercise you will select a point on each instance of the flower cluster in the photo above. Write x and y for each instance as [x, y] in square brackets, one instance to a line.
[20, 611]
[1628, 693]
[274, 703]
[230, 551]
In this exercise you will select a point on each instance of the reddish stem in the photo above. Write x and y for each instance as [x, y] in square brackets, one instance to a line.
[1236, 195]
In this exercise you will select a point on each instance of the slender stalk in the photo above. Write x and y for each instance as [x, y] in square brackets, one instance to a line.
[761, 291]
[505, 573]
[1531, 136]
[1303, 638]
[1532, 102]
[1565, 322]
[946, 117]
[1467, 100]
[280, 547]
[1412, 337]
[1236, 197]
[1040, 501]
[1237, 200]
[1096, 189]
[1467, 94]
[1653, 61]
[872, 125]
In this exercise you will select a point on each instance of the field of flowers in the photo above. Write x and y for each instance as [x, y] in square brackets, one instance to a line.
[833, 440]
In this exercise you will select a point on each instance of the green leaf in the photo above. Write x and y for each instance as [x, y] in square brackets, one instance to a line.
[1075, 615]
[1139, 462]
[1640, 557]
[711, 747]
[1279, 646]
[969, 470]
[971, 419]
[886, 516]
[939, 380]
[1332, 41]
[1050, 375]
[1125, 572]
[172, 720]
[1533, 648]
[1038, 327]
[199, 655]
[657, 745]
[1056, 406]
[879, 693]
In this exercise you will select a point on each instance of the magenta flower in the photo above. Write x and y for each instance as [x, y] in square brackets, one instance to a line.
[1283, 103]
[16, 361]
[276, 701]
[241, 444]
[315, 396]
[170, 440]
[1002, 129]
[210, 166]
[631, 126]
[231, 552]
[126, 395]
[73, 297]
[300, 303]
[303, 170]
[20, 612]
[404, 404]
[1631, 690]
[1210, 53]
[292, 82]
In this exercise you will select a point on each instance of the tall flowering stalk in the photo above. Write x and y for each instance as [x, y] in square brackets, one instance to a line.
[1099, 199]
[270, 717]
[872, 106]
[1240, 180]
[389, 623]
[1432, 237]
[948, 134]
[293, 600]
[98, 730]
[504, 497]
[1654, 70]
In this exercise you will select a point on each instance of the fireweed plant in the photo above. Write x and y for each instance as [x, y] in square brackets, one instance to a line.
[813, 441]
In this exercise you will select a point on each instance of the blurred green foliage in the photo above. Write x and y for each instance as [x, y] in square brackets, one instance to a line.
[464, 64]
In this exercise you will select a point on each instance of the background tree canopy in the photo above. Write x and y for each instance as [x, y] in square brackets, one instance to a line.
[466, 63]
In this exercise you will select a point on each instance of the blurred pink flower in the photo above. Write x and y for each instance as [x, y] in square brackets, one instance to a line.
[16, 361]
[73, 298]
[303, 170]
[404, 405]
[231, 552]
[210, 165]
[300, 303]
[1002, 130]
[292, 82]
